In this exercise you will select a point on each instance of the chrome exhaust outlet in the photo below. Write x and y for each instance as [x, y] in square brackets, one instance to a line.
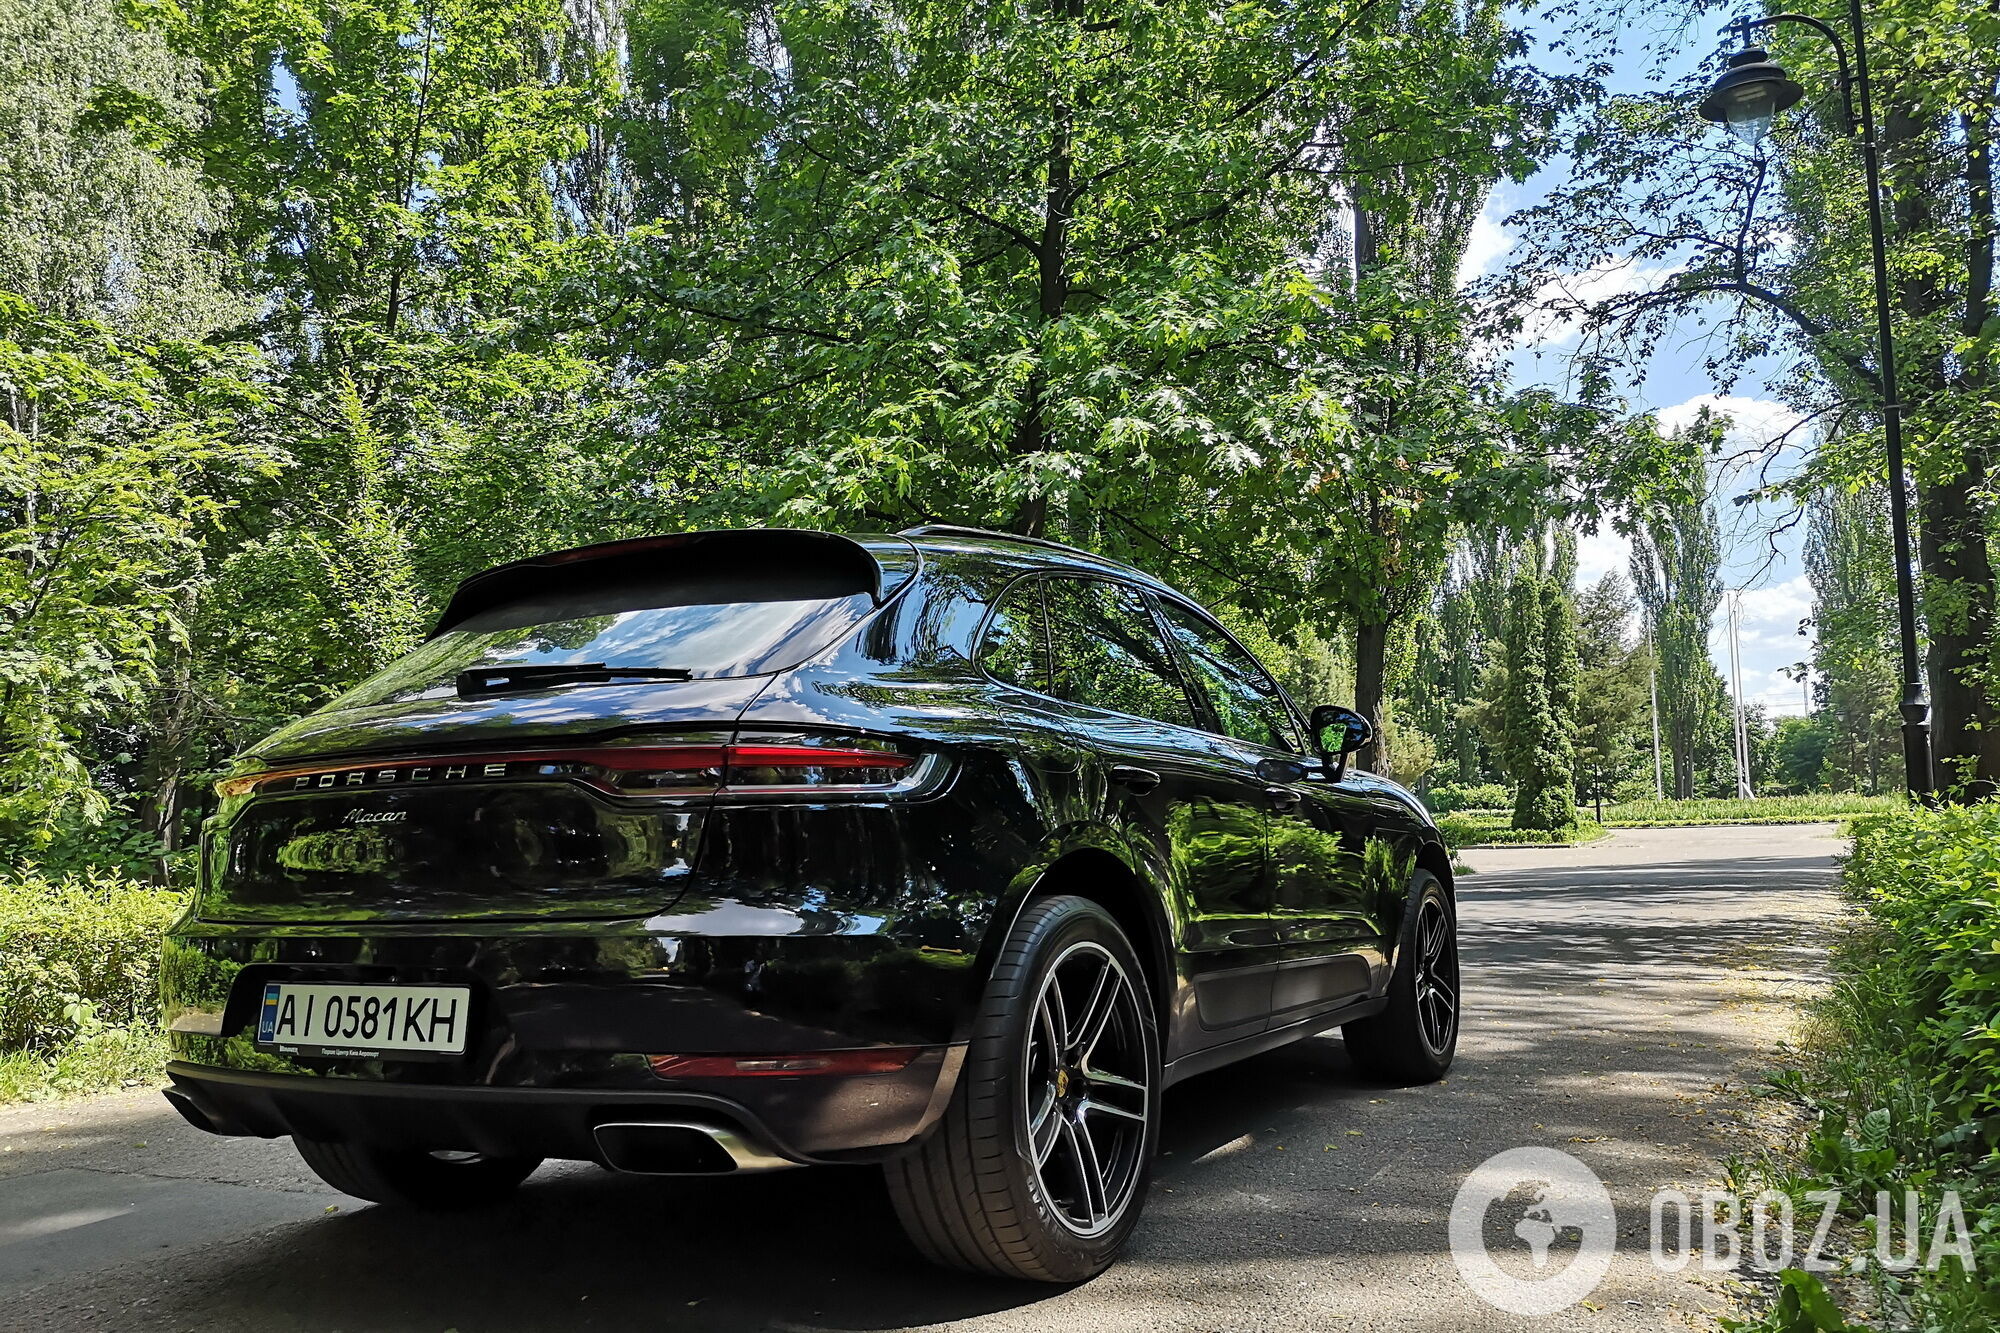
[682, 1148]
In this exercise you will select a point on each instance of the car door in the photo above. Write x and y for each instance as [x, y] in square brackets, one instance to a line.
[1321, 905]
[1188, 801]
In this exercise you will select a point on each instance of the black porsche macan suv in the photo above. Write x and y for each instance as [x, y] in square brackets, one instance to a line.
[730, 851]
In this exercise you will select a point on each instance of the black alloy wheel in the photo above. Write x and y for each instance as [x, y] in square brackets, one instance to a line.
[1086, 1088]
[1039, 1166]
[1437, 975]
[1415, 1036]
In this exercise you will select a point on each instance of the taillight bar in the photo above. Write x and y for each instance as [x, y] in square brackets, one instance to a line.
[622, 770]
[865, 1060]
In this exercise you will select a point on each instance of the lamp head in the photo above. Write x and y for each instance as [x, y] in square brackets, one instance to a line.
[1749, 94]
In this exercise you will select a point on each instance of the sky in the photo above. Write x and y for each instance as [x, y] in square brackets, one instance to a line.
[1761, 560]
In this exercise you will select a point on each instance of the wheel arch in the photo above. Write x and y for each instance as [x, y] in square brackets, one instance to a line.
[1432, 856]
[1100, 876]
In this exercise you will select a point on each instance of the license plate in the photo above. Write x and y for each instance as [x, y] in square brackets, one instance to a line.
[308, 1018]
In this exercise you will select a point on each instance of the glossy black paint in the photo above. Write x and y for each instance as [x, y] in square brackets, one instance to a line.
[596, 930]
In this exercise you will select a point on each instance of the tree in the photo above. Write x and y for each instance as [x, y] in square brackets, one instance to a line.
[95, 223]
[1847, 560]
[1613, 676]
[1676, 563]
[112, 459]
[1798, 752]
[1774, 239]
[395, 178]
[1540, 703]
[1084, 270]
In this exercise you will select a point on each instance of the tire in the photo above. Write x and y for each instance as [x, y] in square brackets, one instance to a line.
[998, 1186]
[413, 1178]
[1414, 1039]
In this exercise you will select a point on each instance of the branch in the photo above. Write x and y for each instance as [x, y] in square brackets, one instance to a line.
[1008, 229]
[1807, 325]
[750, 321]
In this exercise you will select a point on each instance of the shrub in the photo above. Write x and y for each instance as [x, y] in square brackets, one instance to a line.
[1903, 1070]
[1932, 879]
[1492, 827]
[1450, 797]
[1808, 808]
[78, 956]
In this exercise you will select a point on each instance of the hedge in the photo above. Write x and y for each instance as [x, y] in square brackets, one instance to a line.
[1901, 1077]
[78, 956]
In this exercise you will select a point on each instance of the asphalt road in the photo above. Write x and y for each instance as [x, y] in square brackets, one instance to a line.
[1619, 997]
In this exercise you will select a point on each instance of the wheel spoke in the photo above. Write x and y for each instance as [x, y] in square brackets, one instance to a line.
[1097, 1013]
[1094, 1106]
[1055, 1016]
[1044, 1127]
[1089, 1174]
[1099, 1078]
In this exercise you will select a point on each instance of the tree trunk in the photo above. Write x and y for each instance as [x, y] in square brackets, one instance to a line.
[163, 767]
[1371, 655]
[1031, 431]
[1959, 617]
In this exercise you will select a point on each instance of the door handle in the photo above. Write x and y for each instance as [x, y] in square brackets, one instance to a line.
[1140, 780]
[1283, 799]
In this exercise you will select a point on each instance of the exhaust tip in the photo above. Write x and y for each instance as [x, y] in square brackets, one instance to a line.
[682, 1148]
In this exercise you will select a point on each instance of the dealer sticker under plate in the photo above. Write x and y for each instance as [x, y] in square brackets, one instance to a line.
[309, 1018]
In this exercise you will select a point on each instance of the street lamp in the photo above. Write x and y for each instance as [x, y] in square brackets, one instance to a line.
[1746, 97]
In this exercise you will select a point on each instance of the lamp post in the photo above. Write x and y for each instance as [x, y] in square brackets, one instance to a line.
[1746, 97]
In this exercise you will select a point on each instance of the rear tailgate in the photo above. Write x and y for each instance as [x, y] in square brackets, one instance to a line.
[415, 798]
[471, 833]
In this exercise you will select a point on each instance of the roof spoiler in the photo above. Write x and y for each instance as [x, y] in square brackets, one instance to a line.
[823, 564]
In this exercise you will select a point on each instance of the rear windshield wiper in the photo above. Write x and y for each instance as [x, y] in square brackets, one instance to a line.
[484, 681]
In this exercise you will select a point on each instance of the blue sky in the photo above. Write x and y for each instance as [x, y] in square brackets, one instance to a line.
[1761, 550]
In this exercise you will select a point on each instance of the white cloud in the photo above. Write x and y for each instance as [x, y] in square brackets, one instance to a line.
[1754, 421]
[1780, 694]
[1782, 605]
[1489, 241]
[1599, 553]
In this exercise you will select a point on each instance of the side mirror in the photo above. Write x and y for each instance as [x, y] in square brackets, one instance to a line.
[1337, 733]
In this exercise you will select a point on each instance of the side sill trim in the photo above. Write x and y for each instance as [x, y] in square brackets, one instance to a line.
[1215, 1057]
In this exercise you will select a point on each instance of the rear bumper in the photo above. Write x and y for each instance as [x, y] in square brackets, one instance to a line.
[560, 1026]
[807, 1119]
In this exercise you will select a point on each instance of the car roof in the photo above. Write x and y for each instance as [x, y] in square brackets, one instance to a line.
[1032, 552]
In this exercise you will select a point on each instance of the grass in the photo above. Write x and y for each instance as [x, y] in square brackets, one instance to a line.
[1473, 828]
[103, 1061]
[1811, 808]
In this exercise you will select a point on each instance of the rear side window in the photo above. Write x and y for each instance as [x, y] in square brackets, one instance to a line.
[1015, 649]
[1245, 700]
[1106, 651]
[708, 626]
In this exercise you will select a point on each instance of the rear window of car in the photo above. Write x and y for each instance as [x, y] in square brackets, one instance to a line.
[1015, 649]
[708, 625]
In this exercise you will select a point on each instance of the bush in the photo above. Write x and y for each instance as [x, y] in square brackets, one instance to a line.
[1932, 880]
[78, 956]
[1488, 828]
[1450, 797]
[1902, 1075]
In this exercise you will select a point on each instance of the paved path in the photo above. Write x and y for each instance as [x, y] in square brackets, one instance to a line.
[1618, 994]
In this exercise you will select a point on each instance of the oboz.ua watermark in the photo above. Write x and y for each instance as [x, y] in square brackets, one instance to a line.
[1533, 1231]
